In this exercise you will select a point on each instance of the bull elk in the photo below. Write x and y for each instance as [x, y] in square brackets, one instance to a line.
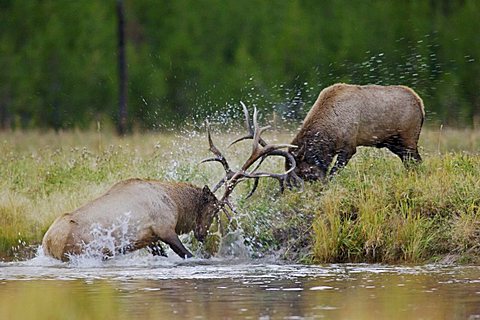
[155, 210]
[347, 116]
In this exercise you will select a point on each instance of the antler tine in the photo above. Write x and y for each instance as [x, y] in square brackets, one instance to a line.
[250, 129]
[247, 125]
[221, 183]
[219, 158]
[257, 131]
[247, 117]
[255, 185]
[257, 152]
[231, 207]
[218, 155]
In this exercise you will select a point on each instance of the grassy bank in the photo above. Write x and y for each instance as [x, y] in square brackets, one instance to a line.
[372, 211]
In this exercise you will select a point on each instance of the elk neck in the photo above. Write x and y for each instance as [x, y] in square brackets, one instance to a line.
[188, 199]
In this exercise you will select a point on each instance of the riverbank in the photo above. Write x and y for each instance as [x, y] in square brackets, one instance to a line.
[372, 211]
[375, 211]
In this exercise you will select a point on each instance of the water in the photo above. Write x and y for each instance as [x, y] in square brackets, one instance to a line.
[138, 285]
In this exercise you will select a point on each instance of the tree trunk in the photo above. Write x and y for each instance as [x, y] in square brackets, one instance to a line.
[122, 70]
[3, 116]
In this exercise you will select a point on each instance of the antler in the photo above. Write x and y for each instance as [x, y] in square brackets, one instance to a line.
[289, 178]
[260, 151]
[219, 158]
[251, 131]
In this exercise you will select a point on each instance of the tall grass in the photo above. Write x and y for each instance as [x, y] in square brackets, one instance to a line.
[373, 210]
[377, 212]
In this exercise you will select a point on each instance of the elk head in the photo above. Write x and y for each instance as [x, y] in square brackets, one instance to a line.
[260, 151]
[210, 207]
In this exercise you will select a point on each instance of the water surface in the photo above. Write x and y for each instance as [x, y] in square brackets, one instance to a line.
[141, 286]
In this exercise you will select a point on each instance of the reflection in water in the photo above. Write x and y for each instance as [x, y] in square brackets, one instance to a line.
[159, 288]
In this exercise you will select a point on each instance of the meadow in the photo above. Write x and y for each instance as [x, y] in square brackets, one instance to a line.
[372, 211]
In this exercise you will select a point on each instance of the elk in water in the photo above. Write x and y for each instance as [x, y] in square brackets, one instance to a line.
[153, 210]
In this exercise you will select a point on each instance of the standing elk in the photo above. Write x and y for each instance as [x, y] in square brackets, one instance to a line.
[154, 210]
[347, 116]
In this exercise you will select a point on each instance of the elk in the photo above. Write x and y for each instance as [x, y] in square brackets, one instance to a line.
[154, 210]
[347, 116]
[138, 213]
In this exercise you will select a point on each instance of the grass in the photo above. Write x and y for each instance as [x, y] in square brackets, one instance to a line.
[372, 211]
[379, 213]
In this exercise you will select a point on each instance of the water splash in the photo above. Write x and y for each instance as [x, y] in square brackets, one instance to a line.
[41, 260]
[110, 245]
[107, 242]
[233, 246]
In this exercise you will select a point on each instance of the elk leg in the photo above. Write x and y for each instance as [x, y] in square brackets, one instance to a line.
[415, 155]
[177, 246]
[407, 156]
[157, 249]
[405, 153]
[342, 159]
[410, 157]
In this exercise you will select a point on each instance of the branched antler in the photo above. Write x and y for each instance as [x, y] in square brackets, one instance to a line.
[288, 178]
[260, 151]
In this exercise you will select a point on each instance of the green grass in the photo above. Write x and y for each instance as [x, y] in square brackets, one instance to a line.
[372, 211]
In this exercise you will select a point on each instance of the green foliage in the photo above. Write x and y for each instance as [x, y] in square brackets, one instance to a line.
[58, 58]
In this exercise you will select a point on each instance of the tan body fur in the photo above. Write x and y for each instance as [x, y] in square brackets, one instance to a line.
[346, 116]
[155, 211]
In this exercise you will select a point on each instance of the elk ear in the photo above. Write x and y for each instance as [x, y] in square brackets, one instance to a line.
[206, 193]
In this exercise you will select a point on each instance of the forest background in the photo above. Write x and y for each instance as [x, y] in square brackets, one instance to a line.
[188, 59]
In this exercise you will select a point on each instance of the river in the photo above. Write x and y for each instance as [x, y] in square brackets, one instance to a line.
[146, 287]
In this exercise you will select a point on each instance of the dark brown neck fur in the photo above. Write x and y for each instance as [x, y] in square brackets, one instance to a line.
[189, 203]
